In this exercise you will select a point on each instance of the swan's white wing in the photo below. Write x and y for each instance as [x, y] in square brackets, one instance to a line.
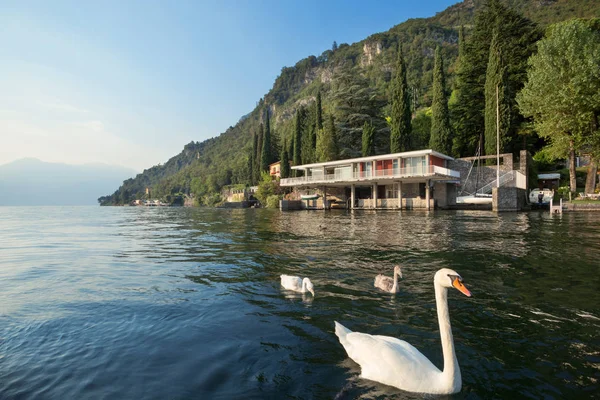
[384, 282]
[392, 361]
[291, 282]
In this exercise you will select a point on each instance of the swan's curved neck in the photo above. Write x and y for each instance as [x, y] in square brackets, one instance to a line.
[395, 286]
[451, 371]
[304, 290]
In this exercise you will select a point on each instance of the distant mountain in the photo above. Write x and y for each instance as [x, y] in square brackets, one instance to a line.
[30, 182]
[204, 167]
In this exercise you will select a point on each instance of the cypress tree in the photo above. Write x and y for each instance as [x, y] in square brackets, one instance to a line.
[285, 163]
[401, 116]
[461, 41]
[250, 169]
[319, 111]
[368, 140]
[299, 123]
[441, 133]
[517, 36]
[258, 154]
[265, 157]
[308, 144]
[252, 161]
[460, 142]
[495, 77]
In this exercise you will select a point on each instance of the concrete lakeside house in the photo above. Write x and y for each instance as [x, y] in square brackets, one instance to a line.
[422, 179]
[413, 179]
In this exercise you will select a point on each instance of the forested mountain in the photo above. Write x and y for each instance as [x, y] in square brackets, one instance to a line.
[347, 90]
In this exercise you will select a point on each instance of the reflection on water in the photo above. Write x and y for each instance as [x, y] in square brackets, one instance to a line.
[187, 303]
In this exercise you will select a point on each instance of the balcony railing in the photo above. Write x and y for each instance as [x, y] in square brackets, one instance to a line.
[394, 173]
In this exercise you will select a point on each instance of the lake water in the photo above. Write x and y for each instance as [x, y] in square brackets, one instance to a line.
[177, 303]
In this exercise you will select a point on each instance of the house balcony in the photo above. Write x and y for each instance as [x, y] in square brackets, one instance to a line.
[343, 177]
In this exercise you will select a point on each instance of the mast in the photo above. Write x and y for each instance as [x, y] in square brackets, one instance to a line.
[497, 140]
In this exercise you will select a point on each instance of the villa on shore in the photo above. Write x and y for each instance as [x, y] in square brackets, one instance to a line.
[413, 179]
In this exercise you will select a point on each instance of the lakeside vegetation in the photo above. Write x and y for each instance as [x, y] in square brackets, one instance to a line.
[425, 83]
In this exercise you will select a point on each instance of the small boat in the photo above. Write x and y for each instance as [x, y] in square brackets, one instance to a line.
[541, 197]
[474, 199]
[309, 196]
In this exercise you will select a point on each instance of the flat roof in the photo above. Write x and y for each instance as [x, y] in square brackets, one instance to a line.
[415, 153]
[548, 176]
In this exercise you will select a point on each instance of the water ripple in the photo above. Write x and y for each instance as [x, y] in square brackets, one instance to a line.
[186, 303]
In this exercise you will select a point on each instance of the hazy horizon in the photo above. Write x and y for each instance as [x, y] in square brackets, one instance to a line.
[32, 182]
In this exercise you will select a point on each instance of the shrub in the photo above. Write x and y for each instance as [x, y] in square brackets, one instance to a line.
[267, 187]
[273, 201]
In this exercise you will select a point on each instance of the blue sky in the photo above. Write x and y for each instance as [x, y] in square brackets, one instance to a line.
[131, 82]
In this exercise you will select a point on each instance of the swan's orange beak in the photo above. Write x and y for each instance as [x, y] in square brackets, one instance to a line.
[459, 285]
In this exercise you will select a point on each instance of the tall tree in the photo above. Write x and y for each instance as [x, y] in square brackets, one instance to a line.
[462, 142]
[298, 128]
[356, 102]
[258, 155]
[562, 93]
[319, 111]
[441, 132]
[266, 157]
[251, 168]
[327, 147]
[497, 107]
[401, 115]
[368, 140]
[308, 143]
[285, 163]
[516, 38]
[252, 158]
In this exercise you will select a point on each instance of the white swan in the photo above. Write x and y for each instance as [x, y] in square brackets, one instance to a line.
[388, 284]
[297, 284]
[396, 363]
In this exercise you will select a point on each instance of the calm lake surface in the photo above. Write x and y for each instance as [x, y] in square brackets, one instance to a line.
[177, 303]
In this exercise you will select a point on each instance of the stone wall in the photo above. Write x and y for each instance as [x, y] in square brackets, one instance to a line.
[234, 204]
[508, 199]
[525, 162]
[440, 193]
[286, 205]
[407, 203]
[576, 206]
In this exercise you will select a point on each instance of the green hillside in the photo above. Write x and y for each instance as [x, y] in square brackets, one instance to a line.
[355, 85]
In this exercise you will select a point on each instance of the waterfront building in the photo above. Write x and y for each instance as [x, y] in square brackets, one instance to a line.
[413, 179]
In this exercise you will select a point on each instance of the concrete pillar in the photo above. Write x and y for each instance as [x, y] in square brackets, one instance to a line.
[400, 195]
[374, 190]
[427, 194]
[324, 197]
[352, 196]
[374, 168]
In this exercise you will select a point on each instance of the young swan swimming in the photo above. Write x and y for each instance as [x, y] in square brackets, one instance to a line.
[388, 284]
[397, 363]
[297, 284]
